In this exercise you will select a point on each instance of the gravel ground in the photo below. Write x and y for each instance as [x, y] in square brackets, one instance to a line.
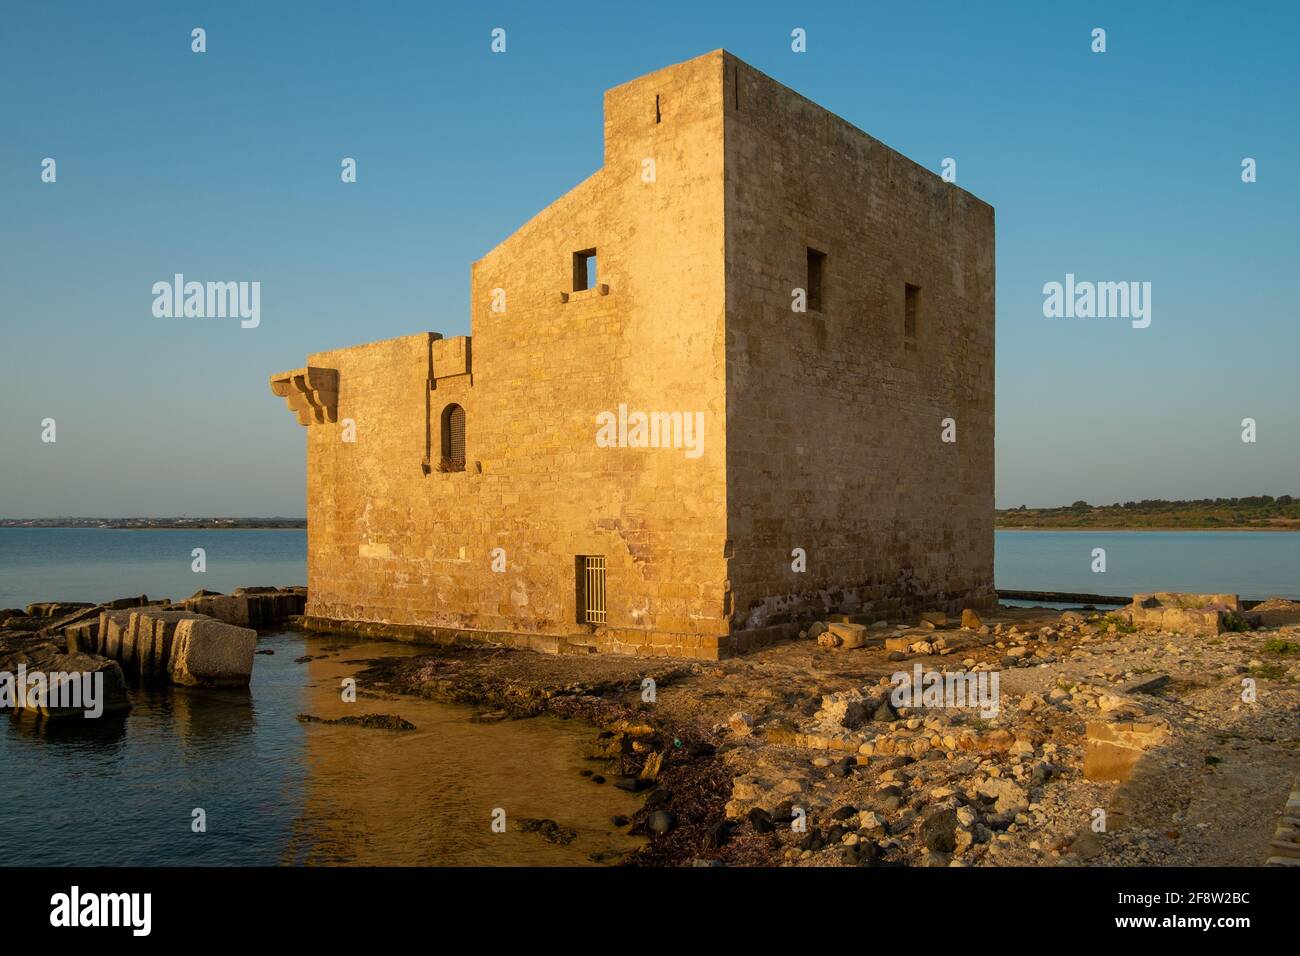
[785, 757]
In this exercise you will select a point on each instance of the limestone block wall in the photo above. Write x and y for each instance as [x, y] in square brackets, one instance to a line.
[394, 541]
[821, 430]
[834, 415]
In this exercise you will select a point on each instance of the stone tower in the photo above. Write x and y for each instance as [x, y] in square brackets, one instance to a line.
[733, 351]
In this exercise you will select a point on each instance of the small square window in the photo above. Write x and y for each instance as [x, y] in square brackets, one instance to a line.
[584, 270]
[911, 310]
[816, 277]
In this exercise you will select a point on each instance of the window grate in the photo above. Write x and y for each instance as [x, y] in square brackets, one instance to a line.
[592, 585]
[456, 433]
[453, 439]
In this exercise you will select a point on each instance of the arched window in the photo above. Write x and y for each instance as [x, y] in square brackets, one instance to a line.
[453, 439]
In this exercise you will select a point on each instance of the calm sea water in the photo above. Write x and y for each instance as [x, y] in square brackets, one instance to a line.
[275, 791]
[1252, 564]
[74, 564]
[96, 564]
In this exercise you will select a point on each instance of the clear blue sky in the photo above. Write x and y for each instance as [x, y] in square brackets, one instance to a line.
[1116, 166]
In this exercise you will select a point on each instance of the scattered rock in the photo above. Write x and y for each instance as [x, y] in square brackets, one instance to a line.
[741, 724]
[661, 821]
[652, 767]
[549, 830]
[369, 721]
[1007, 796]
[849, 635]
[1114, 747]
[939, 831]
[847, 709]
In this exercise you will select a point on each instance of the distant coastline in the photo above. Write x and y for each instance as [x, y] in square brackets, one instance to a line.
[161, 524]
[1255, 513]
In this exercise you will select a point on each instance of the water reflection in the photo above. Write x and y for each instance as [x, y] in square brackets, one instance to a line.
[223, 719]
[71, 735]
[277, 791]
[427, 796]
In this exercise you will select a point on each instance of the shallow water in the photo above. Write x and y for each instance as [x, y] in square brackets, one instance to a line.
[276, 791]
[1252, 564]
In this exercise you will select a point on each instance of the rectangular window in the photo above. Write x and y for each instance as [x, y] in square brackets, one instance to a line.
[911, 309]
[816, 277]
[591, 588]
[584, 270]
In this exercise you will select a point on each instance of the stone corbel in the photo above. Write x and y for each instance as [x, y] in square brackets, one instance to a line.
[311, 393]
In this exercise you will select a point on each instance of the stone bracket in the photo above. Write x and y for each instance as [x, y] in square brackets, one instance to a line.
[311, 393]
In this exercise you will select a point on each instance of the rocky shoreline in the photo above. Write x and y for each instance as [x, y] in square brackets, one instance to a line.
[1139, 727]
[1173, 722]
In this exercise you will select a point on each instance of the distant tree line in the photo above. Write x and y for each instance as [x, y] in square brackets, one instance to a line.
[1253, 511]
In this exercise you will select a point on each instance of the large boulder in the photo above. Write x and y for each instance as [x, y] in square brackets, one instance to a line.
[208, 653]
[1206, 614]
[52, 684]
[1277, 612]
[160, 644]
[1114, 748]
[250, 607]
[847, 709]
[56, 608]
[60, 624]
[114, 626]
[152, 636]
[850, 635]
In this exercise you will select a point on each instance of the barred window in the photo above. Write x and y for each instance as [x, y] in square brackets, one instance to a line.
[591, 588]
[453, 439]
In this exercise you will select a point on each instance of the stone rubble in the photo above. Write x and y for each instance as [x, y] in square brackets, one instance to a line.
[1101, 699]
